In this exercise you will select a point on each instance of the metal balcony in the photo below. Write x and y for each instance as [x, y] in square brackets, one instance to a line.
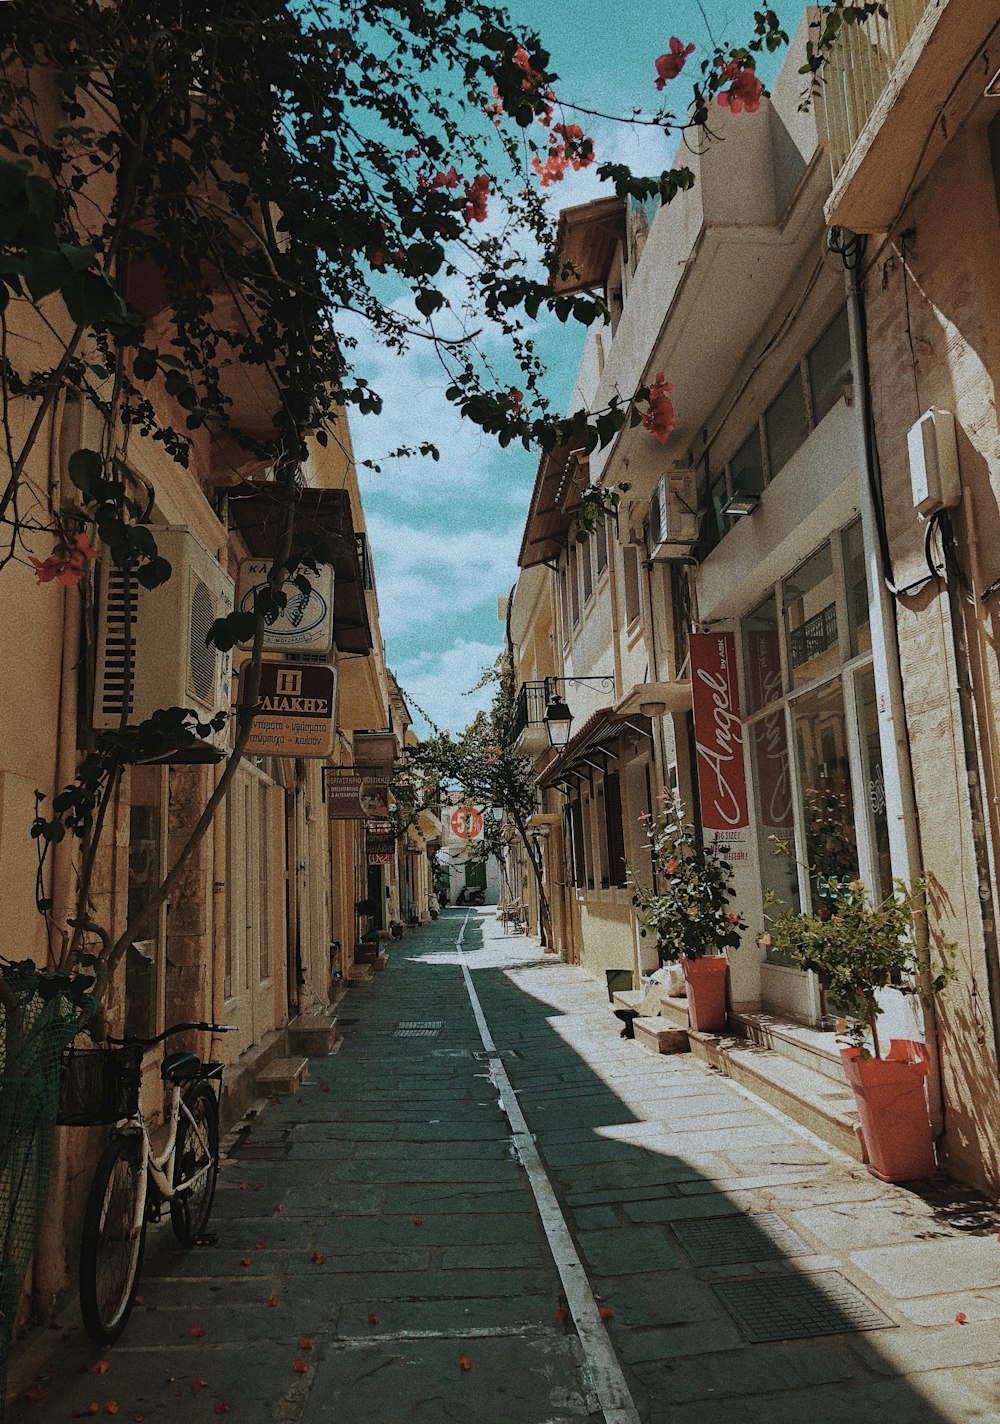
[527, 730]
[861, 64]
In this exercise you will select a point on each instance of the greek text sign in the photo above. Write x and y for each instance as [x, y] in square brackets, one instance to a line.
[355, 795]
[305, 625]
[298, 704]
[718, 733]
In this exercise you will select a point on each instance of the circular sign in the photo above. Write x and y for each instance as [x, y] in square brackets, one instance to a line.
[466, 823]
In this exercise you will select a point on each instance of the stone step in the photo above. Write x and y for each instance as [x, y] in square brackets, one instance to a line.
[282, 1075]
[313, 1034]
[628, 998]
[659, 1036]
[806, 1096]
[809, 1046]
[360, 974]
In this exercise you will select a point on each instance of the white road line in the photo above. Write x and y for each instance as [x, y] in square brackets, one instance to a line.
[605, 1378]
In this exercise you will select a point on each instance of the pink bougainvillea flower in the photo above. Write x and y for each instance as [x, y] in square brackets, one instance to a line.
[272, 1300]
[279, 1210]
[247, 1261]
[669, 65]
[372, 1318]
[36, 1394]
[69, 562]
[515, 398]
[244, 1186]
[451, 179]
[465, 1362]
[744, 89]
[562, 1315]
[418, 1221]
[732, 917]
[101, 1368]
[660, 419]
[476, 194]
[111, 1406]
[198, 1384]
[197, 1331]
[670, 867]
[606, 1313]
[301, 1367]
[260, 1246]
[318, 1258]
[307, 1342]
[961, 1318]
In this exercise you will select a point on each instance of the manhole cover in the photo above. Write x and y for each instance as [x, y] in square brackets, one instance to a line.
[427, 1029]
[731, 1240]
[793, 1307]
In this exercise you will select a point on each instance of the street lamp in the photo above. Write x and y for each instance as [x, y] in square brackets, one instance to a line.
[496, 812]
[558, 721]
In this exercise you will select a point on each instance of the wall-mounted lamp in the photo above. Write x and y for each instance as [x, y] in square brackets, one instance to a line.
[558, 718]
[739, 504]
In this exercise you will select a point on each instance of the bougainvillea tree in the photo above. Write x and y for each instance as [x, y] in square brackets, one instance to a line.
[190, 190]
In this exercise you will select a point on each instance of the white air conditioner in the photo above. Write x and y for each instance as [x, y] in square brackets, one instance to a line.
[172, 665]
[672, 522]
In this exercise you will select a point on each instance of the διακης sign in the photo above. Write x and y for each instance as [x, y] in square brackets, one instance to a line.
[298, 706]
[305, 625]
[718, 733]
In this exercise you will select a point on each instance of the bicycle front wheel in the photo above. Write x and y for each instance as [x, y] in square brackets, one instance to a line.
[113, 1241]
[196, 1161]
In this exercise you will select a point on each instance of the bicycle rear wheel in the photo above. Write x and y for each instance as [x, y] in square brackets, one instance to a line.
[113, 1241]
[197, 1155]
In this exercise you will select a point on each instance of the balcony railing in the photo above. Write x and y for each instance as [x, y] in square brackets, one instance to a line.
[861, 65]
[529, 709]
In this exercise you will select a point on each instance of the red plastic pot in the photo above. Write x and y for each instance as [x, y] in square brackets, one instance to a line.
[892, 1105]
[706, 992]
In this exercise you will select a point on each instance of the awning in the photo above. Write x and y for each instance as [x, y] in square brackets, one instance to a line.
[554, 502]
[255, 511]
[593, 739]
[586, 238]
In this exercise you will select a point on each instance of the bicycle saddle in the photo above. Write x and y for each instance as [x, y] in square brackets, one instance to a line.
[180, 1067]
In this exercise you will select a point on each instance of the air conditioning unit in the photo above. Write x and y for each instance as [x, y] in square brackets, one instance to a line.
[171, 664]
[672, 521]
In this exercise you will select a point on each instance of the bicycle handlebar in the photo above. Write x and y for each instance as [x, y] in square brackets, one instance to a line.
[168, 1032]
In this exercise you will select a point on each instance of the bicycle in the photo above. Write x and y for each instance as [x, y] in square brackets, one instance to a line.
[132, 1182]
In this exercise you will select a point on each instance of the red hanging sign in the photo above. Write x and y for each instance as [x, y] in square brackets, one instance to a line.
[718, 733]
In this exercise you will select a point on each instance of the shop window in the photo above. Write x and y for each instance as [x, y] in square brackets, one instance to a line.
[829, 366]
[856, 588]
[827, 803]
[786, 424]
[615, 829]
[576, 868]
[810, 601]
[632, 601]
[746, 468]
[585, 556]
[762, 656]
[601, 540]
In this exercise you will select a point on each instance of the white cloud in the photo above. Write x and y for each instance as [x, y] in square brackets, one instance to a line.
[438, 682]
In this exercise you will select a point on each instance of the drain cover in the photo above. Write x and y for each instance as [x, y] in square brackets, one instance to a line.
[428, 1029]
[731, 1240]
[793, 1307]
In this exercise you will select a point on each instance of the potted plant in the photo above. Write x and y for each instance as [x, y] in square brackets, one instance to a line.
[689, 913]
[860, 948]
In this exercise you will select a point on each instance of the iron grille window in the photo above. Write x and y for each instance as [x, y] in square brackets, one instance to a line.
[814, 636]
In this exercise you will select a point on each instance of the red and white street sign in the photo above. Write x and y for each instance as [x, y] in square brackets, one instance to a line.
[466, 823]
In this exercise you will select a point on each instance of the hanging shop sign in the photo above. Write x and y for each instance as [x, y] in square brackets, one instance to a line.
[354, 794]
[305, 625]
[467, 823]
[380, 843]
[774, 779]
[298, 710]
[718, 733]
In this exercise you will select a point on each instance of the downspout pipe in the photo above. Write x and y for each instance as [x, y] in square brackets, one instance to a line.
[905, 849]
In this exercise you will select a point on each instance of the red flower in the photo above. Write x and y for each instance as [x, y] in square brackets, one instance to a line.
[111, 1406]
[101, 1368]
[606, 1313]
[476, 194]
[198, 1384]
[244, 1186]
[451, 179]
[669, 65]
[247, 1261]
[418, 1221]
[464, 1362]
[279, 1210]
[670, 867]
[732, 917]
[36, 1394]
[318, 1258]
[260, 1245]
[272, 1300]
[68, 564]
[562, 1315]
[306, 1343]
[514, 399]
[300, 1367]
[961, 1318]
[744, 89]
[372, 1318]
[219, 1408]
[660, 419]
[197, 1331]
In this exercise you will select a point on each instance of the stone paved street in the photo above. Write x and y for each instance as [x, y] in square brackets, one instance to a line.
[703, 1219]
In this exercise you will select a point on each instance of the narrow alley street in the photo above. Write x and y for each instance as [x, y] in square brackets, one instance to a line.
[377, 1227]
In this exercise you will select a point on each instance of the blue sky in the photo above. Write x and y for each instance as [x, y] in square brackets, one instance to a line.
[445, 535]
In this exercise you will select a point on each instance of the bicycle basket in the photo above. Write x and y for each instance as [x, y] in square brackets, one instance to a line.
[98, 1086]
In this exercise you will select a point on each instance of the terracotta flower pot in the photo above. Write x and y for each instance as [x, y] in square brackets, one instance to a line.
[706, 992]
[892, 1106]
